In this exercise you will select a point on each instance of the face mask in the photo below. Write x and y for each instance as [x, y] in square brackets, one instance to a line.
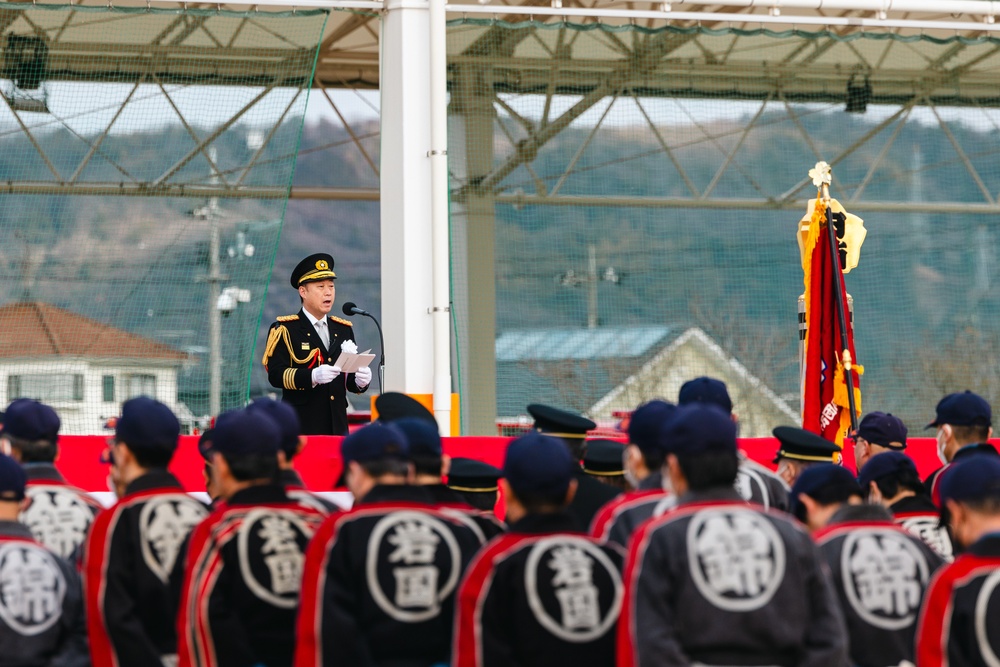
[941, 443]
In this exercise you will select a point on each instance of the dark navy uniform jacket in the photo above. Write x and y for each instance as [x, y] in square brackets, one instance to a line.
[921, 518]
[880, 572]
[41, 609]
[541, 595]
[293, 350]
[722, 582]
[380, 583]
[127, 561]
[57, 514]
[959, 624]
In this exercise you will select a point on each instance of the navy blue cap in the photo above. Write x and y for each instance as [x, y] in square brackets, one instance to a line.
[697, 428]
[146, 423]
[560, 423]
[538, 464]
[375, 442]
[802, 445]
[312, 268]
[881, 428]
[647, 421]
[825, 483]
[604, 458]
[472, 476]
[962, 409]
[285, 417]
[975, 478]
[27, 419]
[205, 444]
[246, 432]
[421, 435]
[12, 480]
[393, 405]
[705, 390]
[883, 465]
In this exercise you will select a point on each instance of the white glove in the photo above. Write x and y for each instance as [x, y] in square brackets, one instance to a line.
[324, 373]
[363, 377]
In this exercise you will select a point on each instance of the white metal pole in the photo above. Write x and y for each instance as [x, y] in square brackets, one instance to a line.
[214, 320]
[441, 264]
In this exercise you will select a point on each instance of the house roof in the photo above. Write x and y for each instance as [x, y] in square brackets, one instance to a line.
[577, 344]
[36, 329]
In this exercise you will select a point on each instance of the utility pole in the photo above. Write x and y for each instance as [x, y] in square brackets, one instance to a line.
[572, 279]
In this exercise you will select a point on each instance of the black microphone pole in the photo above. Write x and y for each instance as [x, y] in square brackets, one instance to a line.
[351, 308]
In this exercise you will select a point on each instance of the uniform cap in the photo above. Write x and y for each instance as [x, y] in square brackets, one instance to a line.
[705, 390]
[12, 480]
[374, 442]
[646, 423]
[538, 464]
[394, 405]
[285, 417]
[880, 428]
[313, 268]
[472, 476]
[421, 435]
[27, 419]
[604, 458]
[698, 428]
[883, 465]
[826, 483]
[802, 445]
[560, 423]
[245, 433]
[975, 478]
[962, 409]
[205, 443]
[145, 423]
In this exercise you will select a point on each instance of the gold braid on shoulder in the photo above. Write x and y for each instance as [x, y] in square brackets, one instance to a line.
[278, 334]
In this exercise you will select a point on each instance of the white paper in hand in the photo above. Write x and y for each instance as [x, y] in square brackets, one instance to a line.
[350, 362]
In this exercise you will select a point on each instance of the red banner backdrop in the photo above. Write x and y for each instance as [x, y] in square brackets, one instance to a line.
[320, 462]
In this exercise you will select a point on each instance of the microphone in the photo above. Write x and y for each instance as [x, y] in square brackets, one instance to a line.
[351, 308]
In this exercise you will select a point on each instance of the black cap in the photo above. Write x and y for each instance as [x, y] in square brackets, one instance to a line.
[393, 405]
[647, 421]
[802, 445]
[604, 458]
[962, 409]
[537, 464]
[375, 442]
[12, 480]
[246, 432]
[205, 443]
[699, 427]
[880, 428]
[313, 268]
[472, 476]
[976, 478]
[883, 465]
[421, 435]
[145, 423]
[285, 417]
[27, 419]
[560, 423]
[705, 390]
[826, 483]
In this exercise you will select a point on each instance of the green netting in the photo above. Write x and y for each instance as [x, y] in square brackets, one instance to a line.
[145, 157]
[639, 190]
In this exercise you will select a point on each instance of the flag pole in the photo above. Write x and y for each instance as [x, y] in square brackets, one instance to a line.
[841, 315]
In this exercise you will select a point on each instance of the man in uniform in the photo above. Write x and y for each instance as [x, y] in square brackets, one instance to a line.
[57, 514]
[964, 424]
[719, 581]
[798, 449]
[891, 479]
[133, 546]
[958, 622]
[243, 570]
[476, 482]
[302, 348]
[543, 594]
[878, 432]
[41, 609]
[879, 570]
[572, 429]
[380, 580]
[605, 462]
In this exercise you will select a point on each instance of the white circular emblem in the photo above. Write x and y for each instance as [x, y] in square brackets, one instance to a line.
[413, 564]
[57, 517]
[928, 529]
[32, 588]
[569, 603]
[750, 485]
[986, 646]
[164, 523]
[884, 577]
[271, 545]
[737, 558]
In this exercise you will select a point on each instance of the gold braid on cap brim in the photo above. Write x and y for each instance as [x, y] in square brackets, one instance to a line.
[469, 489]
[806, 457]
[280, 333]
[578, 436]
[616, 473]
[318, 274]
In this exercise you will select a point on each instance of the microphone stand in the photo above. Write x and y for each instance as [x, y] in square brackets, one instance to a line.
[381, 343]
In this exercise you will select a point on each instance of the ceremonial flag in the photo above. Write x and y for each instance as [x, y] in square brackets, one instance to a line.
[825, 405]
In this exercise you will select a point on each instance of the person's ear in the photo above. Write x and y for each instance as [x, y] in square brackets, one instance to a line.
[445, 465]
[571, 491]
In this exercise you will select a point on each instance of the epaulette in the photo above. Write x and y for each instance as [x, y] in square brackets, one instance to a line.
[288, 318]
[339, 320]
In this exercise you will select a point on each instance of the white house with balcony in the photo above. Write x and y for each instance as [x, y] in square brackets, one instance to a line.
[81, 367]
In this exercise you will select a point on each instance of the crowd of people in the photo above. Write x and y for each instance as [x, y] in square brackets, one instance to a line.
[708, 558]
